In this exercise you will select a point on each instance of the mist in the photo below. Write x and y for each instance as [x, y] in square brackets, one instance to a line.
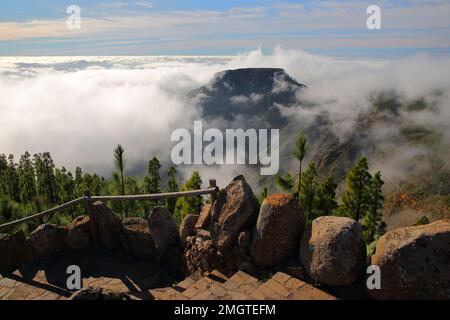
[80, 108]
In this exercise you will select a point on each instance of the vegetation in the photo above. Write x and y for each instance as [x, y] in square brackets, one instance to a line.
[34, 184]
[362, 200]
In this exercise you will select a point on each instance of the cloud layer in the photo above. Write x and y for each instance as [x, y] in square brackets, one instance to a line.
[79, 109]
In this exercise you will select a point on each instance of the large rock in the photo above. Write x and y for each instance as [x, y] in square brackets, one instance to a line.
[333, 250]
[278, 230]
[414, 262]
[96, 293]
[107, 225]
[163, 229]
[139, 238]
[79, 236]
[15, 250]
[187, 228]
[235, 209]
[48, 240]
[205, 218]
[201, 255]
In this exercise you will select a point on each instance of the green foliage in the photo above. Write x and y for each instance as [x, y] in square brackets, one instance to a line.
[356, 197]
[308, 191]
[422, 221]
[372, 218]
[152, 180]
[285, 182]
[189, 205]
[326, 202]
[119, 162]
[172, 186]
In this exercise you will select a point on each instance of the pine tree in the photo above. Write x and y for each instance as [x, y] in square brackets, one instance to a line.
[172, 186]
[13, 179]
[27, 182]
[326, 198]
[189, 205]
[3, 176]
[374, 213]
[119, 161]
[292, 183]
[308, 190]
[356, 196]
[299, 153]
[153, 179]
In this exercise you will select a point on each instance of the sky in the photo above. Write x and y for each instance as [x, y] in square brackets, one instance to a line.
[201, 27]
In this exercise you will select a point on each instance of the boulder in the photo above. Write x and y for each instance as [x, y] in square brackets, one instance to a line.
[79, 236]
[235, 210]
[244, 239]
[107, 225]
[163, 229]
[414, 262]
[15, 250]
[333, 250]
[205, 218]
[96, 293]
[48, 240]
[187, 228]
[201, 255]
[279, 228]
[139, 238]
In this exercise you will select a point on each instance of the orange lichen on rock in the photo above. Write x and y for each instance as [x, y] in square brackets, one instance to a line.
[279, 199]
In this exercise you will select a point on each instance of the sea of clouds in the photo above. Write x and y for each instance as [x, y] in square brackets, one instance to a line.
[80, 108]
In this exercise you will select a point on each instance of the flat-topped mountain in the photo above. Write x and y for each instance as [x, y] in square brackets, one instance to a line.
[249, 91]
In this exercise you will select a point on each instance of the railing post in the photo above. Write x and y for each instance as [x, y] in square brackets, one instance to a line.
[213, 184]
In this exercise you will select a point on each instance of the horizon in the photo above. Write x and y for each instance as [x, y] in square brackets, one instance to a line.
[226, 28]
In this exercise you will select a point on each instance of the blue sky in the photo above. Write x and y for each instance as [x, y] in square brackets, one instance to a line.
[159, 27]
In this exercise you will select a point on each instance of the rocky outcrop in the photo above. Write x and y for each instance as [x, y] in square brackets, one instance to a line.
[201, 255]
[187, 228]
[139, 238]
[414, 262]
[235, 210]
[205, 218]
[95, 293]
[107, 225]
[48, 240]
[278, 230]
[164, 230]
[333, 250]
[79, 236]
[15, 250]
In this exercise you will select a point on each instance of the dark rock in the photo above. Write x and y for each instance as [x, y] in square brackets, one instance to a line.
[79, 236]
[235, 210]
[15, 250]
[95, 293]
[139, 238]
[187, 227]
[205, 218]
[108, 225]
[48, 240]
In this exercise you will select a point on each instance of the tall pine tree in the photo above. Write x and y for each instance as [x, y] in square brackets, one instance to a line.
[172, 186]
[356, 197]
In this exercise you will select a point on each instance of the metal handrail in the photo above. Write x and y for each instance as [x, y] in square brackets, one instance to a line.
[212, 190]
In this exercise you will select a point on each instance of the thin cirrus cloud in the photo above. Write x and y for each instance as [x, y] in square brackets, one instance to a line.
[309, 24]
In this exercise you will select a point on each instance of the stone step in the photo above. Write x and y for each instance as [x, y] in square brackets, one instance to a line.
[241, 285]
[283, 286]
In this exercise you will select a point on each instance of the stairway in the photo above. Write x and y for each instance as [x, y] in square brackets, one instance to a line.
[241, 286]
